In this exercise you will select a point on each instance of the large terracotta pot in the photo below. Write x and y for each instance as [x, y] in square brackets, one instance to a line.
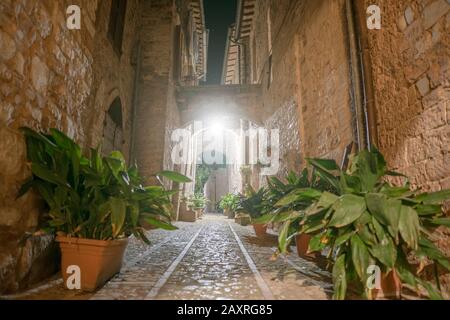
[391, 287]
[188, 216]
[98, 260]
[226, 212]
[260, 229]
[302, 242]
[242, 220]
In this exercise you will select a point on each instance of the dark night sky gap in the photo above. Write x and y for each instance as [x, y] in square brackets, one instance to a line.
[219, 15]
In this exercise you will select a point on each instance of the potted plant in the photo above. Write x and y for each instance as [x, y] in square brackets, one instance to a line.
[228, 204]
[285, 204]
[197, 203]
[252, 206]
[370, 223]
[94, 203]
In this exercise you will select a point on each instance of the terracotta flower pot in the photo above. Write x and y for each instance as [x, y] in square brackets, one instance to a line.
[188, 216]
[260, 229]
[391, 287]
[198, 213]
[98, 261]
[226, 212]
[302, 242]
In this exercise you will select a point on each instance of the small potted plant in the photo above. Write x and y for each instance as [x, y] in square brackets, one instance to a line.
[197, 203]
[285, 203]
[94, 204]
[228, 204]
[252, 206]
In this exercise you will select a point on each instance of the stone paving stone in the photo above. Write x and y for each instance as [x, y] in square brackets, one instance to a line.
[213, 269]
[284, 279]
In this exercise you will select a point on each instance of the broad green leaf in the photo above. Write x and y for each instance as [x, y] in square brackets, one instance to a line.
[367, 236]
[385, 252]
[324, 164]
[387, 211]
[409, 226]
[339, 278]
[38, 136]
[327, 200]
[118, 156]
[441, 222]
[347, 210]
[115, 165]
[343, 238]
[118, 209]
[360, 256]
[283, 237]
[434, 198]
[26, 186]
[48, 175]
[429, 250]
[299, 195]
[428, 209]
[174, 176]
[134, 214]
[395, 192]
[66, 143]
[160, 224]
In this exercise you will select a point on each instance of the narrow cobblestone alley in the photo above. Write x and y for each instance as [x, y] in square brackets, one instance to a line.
[175, 150]
[204, 261]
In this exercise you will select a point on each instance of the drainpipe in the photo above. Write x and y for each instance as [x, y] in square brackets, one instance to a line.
[359, 80]
[359, 10]
[138, 64]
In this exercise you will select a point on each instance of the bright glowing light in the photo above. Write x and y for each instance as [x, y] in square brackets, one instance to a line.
[216, 127]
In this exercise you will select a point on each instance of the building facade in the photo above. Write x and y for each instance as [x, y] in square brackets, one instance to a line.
[331, 84]
[111, 83]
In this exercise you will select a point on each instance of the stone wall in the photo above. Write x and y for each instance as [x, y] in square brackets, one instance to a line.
[411, 76]
[310, 69]
[51, 77]
[290, 155]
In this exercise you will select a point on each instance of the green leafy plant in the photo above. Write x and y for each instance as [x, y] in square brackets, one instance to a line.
[197, 201]
[285, 202]
[93, 197]
[371, 222]
[252, 203]
[229, 202]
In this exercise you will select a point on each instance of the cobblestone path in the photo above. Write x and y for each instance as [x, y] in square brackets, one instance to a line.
[211, 259]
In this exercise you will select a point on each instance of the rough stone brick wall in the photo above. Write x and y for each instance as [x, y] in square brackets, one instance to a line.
[311, 68]
[411, 71]
[155, 87]
[290, 155]
[113, 75]
[51, 77]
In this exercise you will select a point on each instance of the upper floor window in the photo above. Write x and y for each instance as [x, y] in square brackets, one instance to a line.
[116, 23]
